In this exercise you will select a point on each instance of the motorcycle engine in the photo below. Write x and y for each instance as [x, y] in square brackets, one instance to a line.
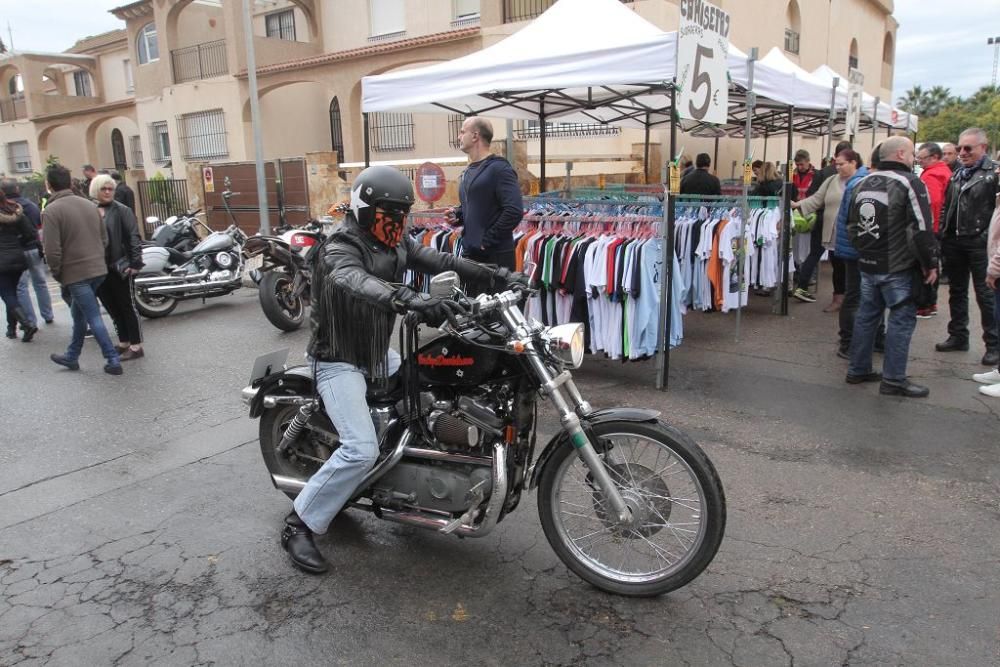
[220, 275]
[464, 425]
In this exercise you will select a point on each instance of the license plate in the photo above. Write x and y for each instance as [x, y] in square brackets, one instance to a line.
[272, 362]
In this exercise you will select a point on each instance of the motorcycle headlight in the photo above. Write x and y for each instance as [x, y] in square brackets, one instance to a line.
[566, 342]
[224, 259]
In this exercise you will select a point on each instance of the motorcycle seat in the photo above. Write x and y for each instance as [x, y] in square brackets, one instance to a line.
[178, 257]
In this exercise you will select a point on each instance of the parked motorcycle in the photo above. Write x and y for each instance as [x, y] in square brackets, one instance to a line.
[284, 278]
[214, 267]
[179, 232]
[628, 503]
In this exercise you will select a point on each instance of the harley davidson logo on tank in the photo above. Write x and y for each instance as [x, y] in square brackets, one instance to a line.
[437, 361]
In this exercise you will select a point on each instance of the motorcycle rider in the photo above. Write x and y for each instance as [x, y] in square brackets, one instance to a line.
[356, 295]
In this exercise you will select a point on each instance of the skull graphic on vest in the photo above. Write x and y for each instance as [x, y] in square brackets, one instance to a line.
[867, 224]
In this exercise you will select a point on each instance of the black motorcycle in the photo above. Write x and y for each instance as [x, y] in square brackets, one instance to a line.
[179, 232]
[628, 503]
[284, 277]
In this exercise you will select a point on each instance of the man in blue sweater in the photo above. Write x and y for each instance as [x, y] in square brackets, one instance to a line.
[491, 205]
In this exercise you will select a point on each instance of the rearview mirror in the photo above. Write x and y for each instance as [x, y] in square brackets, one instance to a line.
[443, 285]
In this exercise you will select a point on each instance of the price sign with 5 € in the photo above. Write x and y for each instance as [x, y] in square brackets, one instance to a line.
[702, 53]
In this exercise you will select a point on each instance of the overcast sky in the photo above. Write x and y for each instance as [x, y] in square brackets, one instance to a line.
[940, 42]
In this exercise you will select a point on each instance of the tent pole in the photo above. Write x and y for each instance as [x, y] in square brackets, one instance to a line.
[664, 321]
[751, 102]
[715, 158]
[875, 124]
[368, 154]
[833, 114]
[785, 237]
[541, 145]
[645, 155]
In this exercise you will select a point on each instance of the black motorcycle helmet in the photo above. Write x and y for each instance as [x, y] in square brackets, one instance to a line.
[380, 199]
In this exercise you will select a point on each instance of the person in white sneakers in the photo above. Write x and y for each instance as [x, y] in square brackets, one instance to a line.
[992, 379]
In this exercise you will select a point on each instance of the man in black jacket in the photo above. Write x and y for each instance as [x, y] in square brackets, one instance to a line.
[355, 299]
[890, 224]
[701, 181]
[491, 204]
[123, 193]
[968, 207]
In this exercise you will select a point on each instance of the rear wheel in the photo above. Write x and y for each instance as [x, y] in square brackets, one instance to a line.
[282, 308]
[304, 457]
[676, 500]
[153, 305]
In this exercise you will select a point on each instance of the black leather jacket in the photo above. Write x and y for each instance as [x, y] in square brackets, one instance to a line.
[357, 293]
[123, 236]
[968, 206]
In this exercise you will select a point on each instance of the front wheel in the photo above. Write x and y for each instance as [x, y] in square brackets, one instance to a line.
[675, 496]
[282, 308]
[153, 305]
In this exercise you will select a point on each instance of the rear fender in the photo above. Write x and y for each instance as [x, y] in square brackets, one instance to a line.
[296, 380]
[594, 418]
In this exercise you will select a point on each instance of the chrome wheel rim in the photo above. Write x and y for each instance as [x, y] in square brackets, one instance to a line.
[667, 527]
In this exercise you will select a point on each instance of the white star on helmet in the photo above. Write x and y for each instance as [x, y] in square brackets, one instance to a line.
[356, 202]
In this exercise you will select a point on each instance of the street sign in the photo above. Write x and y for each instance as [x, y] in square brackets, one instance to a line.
[854, 93]
[209, 178]
[702, 70]
[430, 182]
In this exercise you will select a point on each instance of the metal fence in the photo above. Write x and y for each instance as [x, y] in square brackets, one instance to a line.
[532, 130]
[161, 198]
[455, 122]
[202, 134]
[201, 61]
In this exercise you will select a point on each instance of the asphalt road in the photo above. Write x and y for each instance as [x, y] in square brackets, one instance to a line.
[137, 524]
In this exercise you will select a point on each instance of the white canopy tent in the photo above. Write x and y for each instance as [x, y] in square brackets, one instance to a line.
[888, 115]
[613, 66]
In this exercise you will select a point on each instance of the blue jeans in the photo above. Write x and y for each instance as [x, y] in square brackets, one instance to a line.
[86, 311]
[36, 273]
[342, 387]
[878, 292]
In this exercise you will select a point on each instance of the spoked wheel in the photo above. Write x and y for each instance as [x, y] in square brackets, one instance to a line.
[676, 500]
[282, 308]
[153, 305]
[306, 455]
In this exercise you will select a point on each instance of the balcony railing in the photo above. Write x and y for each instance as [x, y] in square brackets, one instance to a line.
[202, 61]
[524, 10]
[13, 109]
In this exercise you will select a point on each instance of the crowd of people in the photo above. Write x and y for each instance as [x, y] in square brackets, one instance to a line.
[85, 232]
[890, 235]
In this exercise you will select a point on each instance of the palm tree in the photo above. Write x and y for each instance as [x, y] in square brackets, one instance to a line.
[926, 103]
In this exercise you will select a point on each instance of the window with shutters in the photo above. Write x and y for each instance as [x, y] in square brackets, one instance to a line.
[19, 157]
[81, 82]
[202, 134]
[159, 140]
[135, 148]
[388, 19]
[280, 25]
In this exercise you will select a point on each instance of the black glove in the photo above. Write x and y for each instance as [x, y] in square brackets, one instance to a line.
[431, 310]
[511, 278]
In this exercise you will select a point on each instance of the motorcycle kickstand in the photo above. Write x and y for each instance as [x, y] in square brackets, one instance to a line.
[470, 515]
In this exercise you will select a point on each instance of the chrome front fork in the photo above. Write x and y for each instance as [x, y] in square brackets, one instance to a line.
[569, 415]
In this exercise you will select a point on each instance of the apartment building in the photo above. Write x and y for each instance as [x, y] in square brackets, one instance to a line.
[170, 87]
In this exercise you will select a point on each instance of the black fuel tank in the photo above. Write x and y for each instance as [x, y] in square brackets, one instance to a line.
[455, 361]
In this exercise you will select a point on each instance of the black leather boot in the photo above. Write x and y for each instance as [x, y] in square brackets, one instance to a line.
[29, 329]
[297, 540]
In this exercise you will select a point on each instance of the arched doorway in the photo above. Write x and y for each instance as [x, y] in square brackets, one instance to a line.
[336, 129]
[118, 151]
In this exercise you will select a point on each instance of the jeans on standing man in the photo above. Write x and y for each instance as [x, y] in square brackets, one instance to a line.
[36, 274]
[86, 312]
[878, 292]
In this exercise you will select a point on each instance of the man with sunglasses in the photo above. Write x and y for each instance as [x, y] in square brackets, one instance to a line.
[968, 208]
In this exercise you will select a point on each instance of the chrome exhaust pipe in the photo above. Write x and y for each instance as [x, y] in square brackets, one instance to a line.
[490, 515]
[159, 280]
[188, 287]
[293, 485]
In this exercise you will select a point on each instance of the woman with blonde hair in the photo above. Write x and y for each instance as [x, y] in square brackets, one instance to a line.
[124, 259]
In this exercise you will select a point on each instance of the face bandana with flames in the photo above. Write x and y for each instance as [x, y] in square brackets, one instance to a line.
[388, 227]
